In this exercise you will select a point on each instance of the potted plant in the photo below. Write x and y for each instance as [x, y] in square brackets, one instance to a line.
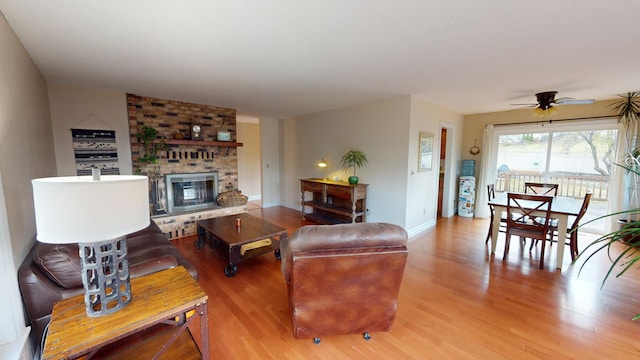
[628, 110]
[152, 144]
[628, 235]
[149, 162]
[353, 159]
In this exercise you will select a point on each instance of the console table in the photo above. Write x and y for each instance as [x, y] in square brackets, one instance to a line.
[165, 297]
[334, 202]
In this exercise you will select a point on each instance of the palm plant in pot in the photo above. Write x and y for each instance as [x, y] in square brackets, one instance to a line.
[628, 110]
[353, 159]
[627, 236]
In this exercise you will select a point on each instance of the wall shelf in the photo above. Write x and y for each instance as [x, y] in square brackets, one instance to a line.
[201, 143]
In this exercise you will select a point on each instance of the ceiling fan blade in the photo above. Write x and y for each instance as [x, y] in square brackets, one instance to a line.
[569, 101]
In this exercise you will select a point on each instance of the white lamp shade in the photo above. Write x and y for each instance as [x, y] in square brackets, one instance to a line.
[78, 209]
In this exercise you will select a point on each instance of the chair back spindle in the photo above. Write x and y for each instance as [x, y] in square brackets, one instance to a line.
[541, 188]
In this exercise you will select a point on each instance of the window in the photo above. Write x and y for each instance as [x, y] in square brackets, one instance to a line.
[579, 156]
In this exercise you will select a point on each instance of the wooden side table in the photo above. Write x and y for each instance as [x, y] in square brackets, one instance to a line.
[162, 297]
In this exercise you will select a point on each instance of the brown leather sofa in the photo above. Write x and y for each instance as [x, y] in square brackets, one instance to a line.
[50, 273]
[343, 279]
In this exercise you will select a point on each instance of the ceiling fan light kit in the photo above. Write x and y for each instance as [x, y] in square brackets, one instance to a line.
[540, 112]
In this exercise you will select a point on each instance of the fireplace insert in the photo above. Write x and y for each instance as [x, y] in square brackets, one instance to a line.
[191, 191]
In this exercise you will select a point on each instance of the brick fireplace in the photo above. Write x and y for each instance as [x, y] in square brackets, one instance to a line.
[170, 117]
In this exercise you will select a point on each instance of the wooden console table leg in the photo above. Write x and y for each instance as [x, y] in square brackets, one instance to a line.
[302, 202]
[353, 210]
[202, 309]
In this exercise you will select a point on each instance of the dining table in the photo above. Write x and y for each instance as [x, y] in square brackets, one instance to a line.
[561, 208]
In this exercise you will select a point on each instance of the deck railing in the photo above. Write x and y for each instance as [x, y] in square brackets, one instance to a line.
[569, 185]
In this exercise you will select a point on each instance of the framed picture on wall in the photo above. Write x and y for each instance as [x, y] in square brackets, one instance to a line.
[425, 151]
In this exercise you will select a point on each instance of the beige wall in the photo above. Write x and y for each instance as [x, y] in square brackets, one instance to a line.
[380, 130]
[474, 124]
[26, 141]
[272, 155]
[422, 187]
[26, 152]
[387, 132]
[249, 177]
[87, 108]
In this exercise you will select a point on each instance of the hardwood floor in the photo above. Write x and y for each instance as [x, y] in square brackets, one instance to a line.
[456, 302]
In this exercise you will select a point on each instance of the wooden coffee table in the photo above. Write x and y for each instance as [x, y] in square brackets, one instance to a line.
[253, 237]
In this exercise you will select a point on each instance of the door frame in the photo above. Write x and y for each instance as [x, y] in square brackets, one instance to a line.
[449, 205]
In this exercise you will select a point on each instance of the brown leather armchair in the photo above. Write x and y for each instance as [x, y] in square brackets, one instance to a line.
[343, 279]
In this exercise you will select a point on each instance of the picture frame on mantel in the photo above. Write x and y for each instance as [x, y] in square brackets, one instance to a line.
[425, 151]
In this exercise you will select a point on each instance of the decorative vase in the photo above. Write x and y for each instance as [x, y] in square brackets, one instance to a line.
[353, 180]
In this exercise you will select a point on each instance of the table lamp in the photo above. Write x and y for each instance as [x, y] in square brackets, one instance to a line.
[96, 212]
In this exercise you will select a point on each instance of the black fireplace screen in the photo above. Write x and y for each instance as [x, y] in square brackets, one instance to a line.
[187, 192]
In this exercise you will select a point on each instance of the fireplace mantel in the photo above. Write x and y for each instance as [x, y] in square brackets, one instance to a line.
[201, 143]
[181, 225]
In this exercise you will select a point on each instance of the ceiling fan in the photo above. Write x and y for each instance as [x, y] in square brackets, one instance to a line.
[546, 102]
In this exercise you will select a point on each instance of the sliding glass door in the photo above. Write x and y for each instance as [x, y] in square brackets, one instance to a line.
[578, 156]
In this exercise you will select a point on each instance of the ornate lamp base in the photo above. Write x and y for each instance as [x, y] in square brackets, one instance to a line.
[105, 276]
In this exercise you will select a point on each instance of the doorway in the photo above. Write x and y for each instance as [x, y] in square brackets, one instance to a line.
[443, 156]
[249, 163]
[447, 204]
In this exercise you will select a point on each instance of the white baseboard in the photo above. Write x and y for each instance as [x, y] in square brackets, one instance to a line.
[19, 349]
[420, 228]
[272, 204]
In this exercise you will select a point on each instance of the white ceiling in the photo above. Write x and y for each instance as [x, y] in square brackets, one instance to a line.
[292, 57]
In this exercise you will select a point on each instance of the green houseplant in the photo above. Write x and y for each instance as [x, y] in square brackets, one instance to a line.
[627, 108]
[353, 159]
[627, 235]
[152, 145]
[149, 163]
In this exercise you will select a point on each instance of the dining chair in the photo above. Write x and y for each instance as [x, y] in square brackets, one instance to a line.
[522, 211]
[491, 194]
[572, 231]
[540, 188]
